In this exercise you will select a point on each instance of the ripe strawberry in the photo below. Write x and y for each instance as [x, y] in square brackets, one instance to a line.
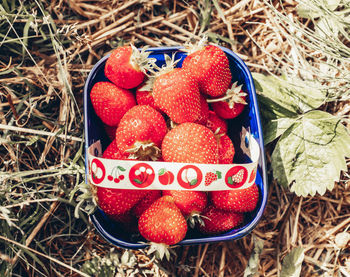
[141, 131]
[189, 202]
[110, 131]
[214, 122]
[237, 200]
[218, 221]
[126, 66]
[163, 222]
[210, 66]
[190, 143]
[144, 94]
[226, 149]
[231, 105]
[112, 152]
[126, 221]
[123, 218]
[115, 202]
[146, 202]
[204, 111]
[176, 93]
[210, 177]
[111, 102]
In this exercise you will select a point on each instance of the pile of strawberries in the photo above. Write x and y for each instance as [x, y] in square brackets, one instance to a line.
[173, 115]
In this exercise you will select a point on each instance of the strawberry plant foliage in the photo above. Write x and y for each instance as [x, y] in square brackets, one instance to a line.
[311, 144]
[292, 262]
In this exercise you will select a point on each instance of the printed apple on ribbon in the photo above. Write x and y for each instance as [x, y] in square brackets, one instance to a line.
[165, 176]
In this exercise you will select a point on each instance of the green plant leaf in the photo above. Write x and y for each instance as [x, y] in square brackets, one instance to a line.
[311, 153]
[291, 265]
[253, 263]
[218, 174]
[193, 182]
[121, 168]
[229, 180]
[282, 101]
[276, 127]
[291, 95]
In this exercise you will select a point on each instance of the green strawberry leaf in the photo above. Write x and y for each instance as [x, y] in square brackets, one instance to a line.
[121, 168]
[291, 265]
[218, 174]
[137, 181]
[193, 182]
[230, 180]
[281, 102]
[276, 128]
[311, 153]
[161, 171]
[253, 263]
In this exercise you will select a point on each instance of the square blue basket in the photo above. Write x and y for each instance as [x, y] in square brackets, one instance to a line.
[249, 119]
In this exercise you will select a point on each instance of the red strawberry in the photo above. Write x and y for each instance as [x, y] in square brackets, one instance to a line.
[204, 112]
[163, 222]
[127, 221]
[189, 202]
[218, 221]
[226, 149]
[141, 131]
[210, 177]
[210, 66]
[112, 152]
[231, 105]
[146, 202]
[115, 202]
[126, 66]
[190, 143]
[123, 218]
[144, 94]
[237, 200]
[110, 102]
[176, 93]
[214, 122]
[110, 131]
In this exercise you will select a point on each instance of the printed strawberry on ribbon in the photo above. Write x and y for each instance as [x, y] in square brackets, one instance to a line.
[155, 175]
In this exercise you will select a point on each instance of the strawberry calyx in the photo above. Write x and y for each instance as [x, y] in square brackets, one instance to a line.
[233, 95]
[197, 46]
[167, 67]
[145, 151]
[195, 219]
[159, 250]
[148, 85]
[140, 59]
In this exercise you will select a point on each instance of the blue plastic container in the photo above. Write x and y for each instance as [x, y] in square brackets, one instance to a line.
[250, 119]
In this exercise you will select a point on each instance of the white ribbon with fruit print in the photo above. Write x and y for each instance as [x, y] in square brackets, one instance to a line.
[133, 174]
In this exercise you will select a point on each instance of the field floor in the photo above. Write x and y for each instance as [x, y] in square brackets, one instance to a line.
[47, 49]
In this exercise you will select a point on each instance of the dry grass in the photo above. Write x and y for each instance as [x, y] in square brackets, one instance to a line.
[43, 66]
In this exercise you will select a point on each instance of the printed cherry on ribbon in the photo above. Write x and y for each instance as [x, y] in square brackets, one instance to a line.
[141, 175]
[116, 174]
